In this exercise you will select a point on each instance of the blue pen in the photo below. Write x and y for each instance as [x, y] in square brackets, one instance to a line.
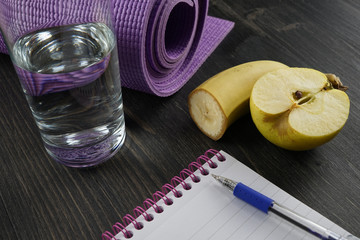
[266, 205]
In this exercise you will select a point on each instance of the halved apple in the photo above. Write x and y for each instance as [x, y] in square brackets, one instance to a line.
[299, 108]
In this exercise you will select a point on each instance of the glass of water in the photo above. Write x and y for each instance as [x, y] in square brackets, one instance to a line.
[65, 55]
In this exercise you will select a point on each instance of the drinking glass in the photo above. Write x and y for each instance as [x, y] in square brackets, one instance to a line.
[65, 55]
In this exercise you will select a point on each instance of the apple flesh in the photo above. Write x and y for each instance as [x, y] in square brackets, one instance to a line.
[299, 108]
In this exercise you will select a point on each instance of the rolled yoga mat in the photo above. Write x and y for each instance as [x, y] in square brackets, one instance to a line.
[161, 43]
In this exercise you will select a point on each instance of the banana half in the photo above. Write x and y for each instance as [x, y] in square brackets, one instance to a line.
[224, 98]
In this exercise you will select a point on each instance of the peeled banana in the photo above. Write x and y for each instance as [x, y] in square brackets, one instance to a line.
[224, 98]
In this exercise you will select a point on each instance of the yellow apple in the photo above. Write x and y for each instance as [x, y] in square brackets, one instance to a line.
[299, 108]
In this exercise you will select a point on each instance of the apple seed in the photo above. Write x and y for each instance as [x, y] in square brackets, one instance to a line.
[302, 97]
[298, 95]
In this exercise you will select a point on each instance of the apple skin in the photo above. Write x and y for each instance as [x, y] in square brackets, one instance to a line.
[287, 138]
[277, 126]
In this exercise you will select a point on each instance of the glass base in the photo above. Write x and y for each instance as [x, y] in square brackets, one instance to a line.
[88, 156]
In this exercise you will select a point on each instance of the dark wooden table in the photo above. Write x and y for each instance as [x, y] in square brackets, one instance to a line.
[41, 199]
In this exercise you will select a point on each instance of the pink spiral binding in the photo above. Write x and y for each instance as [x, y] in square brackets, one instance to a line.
[151, 203]
[216, 153]
[107, 236]
[141, 211]
[187, 173]
[172, 189]
[160, 195]
[129, 219]
[118, 227]
[207, 160]
[148, 203]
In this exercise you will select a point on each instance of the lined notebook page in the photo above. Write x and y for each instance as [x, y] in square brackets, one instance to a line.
[209, 211]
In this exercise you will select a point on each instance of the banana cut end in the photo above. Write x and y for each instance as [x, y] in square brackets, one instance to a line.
[207, 114]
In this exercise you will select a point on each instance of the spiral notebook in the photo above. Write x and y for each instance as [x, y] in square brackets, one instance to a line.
[194, 206]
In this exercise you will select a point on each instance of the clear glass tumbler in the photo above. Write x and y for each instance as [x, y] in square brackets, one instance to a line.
[65, 55]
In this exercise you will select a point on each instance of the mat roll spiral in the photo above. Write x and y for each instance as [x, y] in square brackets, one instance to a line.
[161, 43]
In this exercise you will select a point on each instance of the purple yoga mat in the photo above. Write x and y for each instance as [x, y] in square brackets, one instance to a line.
[161, 43]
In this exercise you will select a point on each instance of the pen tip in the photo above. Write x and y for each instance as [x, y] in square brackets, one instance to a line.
[215, 176]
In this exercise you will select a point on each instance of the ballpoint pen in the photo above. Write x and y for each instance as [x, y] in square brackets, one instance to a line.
[266, 205]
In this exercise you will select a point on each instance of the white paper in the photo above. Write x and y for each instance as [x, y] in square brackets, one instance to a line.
[208, 211]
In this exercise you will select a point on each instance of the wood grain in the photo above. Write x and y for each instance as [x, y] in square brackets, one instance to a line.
[41, 199]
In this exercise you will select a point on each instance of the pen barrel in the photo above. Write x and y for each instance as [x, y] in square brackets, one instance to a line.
[303, 223]
[253, 197]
